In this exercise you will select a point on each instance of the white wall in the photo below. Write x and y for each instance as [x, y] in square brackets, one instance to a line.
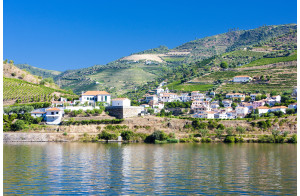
[124, 103]
[84, 108]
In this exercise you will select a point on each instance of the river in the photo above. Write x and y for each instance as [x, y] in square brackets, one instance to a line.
[128, 169]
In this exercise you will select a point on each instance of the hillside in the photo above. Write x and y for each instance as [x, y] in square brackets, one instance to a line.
[44, 73]
[11, 71]
[20, 86]
[183, 63]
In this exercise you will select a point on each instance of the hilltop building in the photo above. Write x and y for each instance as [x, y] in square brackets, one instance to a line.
[242, 79]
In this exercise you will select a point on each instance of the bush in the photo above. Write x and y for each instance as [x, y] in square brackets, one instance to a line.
[184, 140]
[205, 140]
[156, 135]
[229, 139]
[229, 131]
[203, 132]
[65, 134]
[127, 135]
[293, 139]
[172, 140]
[107, 136]
[18, 125]
[219, 133]
[238, 139]
[221, 127]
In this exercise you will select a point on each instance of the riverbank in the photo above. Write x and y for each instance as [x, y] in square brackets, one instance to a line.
[183, 130]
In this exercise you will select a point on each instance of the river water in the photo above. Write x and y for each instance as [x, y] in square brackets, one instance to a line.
[148, 169]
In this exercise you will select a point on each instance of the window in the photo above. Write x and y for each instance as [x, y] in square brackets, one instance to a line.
[52, 113]
[56, 112]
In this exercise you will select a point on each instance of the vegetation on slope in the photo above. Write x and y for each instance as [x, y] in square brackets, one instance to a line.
[19, 91]
[39, 71]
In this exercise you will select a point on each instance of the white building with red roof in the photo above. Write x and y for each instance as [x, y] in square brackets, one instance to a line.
[95, 96]
[54, 116]
[263, 110]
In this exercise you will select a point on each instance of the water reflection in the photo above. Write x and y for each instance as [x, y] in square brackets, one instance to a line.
[93, 168]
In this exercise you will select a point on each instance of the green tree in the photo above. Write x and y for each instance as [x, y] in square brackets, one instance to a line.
[18, 125]
[127, 135]
[219, 132]
[240, 130]
[224, 65]
[229, 131]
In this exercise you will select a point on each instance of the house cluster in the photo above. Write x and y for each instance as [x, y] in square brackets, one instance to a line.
[212, 110]
[54, 114]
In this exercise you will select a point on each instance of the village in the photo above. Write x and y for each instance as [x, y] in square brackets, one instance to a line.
[202, 105]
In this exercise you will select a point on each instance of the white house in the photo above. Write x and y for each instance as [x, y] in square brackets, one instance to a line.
[221, 115]
[159, 90]
[241, 111]
[263, 110]
[201, 109]
[257, 104]
[277, 98]
[168, 97]
[39, 113]
[278, 108]
[184, 97]
[95, 96]
[54, 115]
[242, 79]
[235, 95]
[153, 98]
[195, 95]
[209, 114]
[198, 115]
[227, 103]
[124, 102]
[292, 106]
[270, 101]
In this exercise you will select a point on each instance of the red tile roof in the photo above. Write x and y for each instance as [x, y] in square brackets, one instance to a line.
[95, 93]
[53, 109]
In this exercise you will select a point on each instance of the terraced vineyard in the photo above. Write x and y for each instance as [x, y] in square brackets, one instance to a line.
[282, 78]
[24, 92]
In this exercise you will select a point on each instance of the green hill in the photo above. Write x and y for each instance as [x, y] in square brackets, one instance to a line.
[185, 62]
[39, 71]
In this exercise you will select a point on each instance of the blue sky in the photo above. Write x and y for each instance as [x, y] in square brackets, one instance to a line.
[71, 34]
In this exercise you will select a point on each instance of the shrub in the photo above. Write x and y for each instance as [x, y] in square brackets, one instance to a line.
[238, 139]
[229, 131]
[18, 125]
[156, 135]
[172, 140]
[67, 111]
[184, 140]
[219, 133]
[285, 134]
[240, 130]
[65, 133]
[127, 135]
[229, 139]
[107, 136]
[203, 132]
[279, 139]
[293, 139]
[172, 135]
[205, 140]
[221, 127]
